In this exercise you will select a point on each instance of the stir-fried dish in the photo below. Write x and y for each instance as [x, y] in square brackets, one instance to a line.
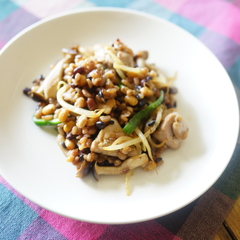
[114, 112]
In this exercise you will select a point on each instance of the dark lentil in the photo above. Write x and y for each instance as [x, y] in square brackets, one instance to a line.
[36, 97]
[63, 144]
[100, 125]
[151, 123]
[80, 70]
[110, 122]
[138, 87]
[26, 91]
[85, 151]
[90, 90]
[81, 157]
[148, 78]
[40, 77]
[158, 160]
[145, 80]
[141, 103]
[170, 105]
[138, 97]
[105, 163]
[101, 93]
[70, 136]
[89, 76]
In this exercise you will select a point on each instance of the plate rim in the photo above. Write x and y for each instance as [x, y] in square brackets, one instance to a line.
[142, 14]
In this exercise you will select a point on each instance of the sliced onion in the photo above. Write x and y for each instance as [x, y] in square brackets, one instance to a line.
[127, 187]
[118, 61]
[126, 68]
[134, 141]
[72, 108]
[158, 119]
[122, 139]
[164, 81]
[144, 141]
[155, 145]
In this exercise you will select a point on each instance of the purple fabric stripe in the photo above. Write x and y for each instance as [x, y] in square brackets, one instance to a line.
[2, 44]
[236, 2]
[225, 49]
[39, 229]
[206, 218]
[138, 231]
[14, 23]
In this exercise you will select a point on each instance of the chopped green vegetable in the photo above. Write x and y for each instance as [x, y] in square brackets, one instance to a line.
[120, 81]
[41, 122]
[143, 114]
[120, 85]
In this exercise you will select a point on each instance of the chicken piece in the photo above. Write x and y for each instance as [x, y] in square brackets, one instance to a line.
[172, 130]
[101, 55]
[168, 111]
[142, 54]
[107, 136]
[126, 58]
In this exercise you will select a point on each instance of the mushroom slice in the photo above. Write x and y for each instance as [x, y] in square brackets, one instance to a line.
[36, 96]
[49, 85]
[126, 166]
[84, 169]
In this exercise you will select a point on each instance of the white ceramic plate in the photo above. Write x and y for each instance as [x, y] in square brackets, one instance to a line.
[31, 161]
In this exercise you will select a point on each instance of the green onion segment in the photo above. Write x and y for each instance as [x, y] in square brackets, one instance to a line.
[143, 114]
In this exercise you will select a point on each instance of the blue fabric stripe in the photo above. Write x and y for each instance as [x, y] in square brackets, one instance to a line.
[151, 8]
[111, 3]
[234, 73]
[158, 10]
[188, 25]
[7, 7]
[15, 216]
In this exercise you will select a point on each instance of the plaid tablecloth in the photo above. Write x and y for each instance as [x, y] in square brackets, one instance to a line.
[217, 24]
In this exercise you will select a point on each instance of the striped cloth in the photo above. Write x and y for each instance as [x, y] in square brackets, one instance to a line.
[214, 22]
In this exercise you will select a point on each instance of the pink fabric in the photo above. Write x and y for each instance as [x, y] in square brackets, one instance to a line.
[173, 5]
[214, 22]
[73, 229]
[214, 14]
[1, 44]
[37, 8]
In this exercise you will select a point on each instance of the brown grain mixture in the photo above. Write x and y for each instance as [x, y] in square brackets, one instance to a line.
[120, 83]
